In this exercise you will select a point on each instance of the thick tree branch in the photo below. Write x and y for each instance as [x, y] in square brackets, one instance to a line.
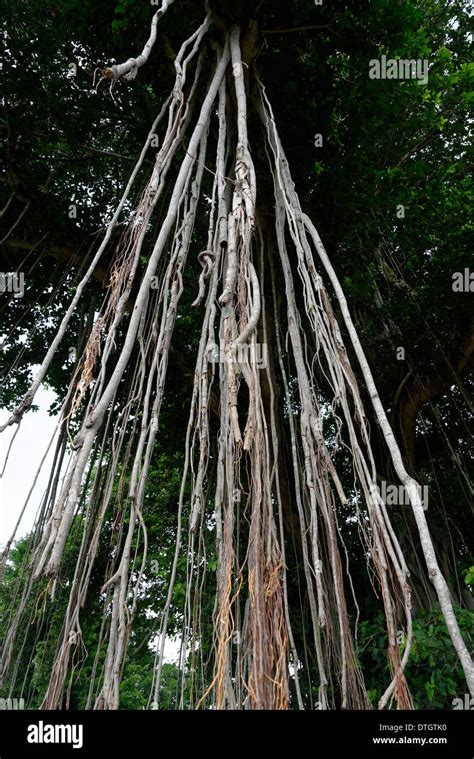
[418, 391]
[62, 252]
[129, 68]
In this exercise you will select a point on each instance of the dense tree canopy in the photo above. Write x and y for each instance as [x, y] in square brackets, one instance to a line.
[172, 511]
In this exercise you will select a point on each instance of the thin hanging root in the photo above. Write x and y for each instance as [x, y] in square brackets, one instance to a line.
[255, 314]
[206, 259]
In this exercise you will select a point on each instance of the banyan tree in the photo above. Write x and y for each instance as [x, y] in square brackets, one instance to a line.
[286, 440]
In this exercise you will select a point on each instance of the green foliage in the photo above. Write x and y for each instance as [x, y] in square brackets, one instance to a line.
[433, 673]
[469, 576]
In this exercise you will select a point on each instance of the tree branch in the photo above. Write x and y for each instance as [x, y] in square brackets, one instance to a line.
[62, 252]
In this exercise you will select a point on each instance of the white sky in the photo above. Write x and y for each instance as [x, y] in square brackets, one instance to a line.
[25, 457]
